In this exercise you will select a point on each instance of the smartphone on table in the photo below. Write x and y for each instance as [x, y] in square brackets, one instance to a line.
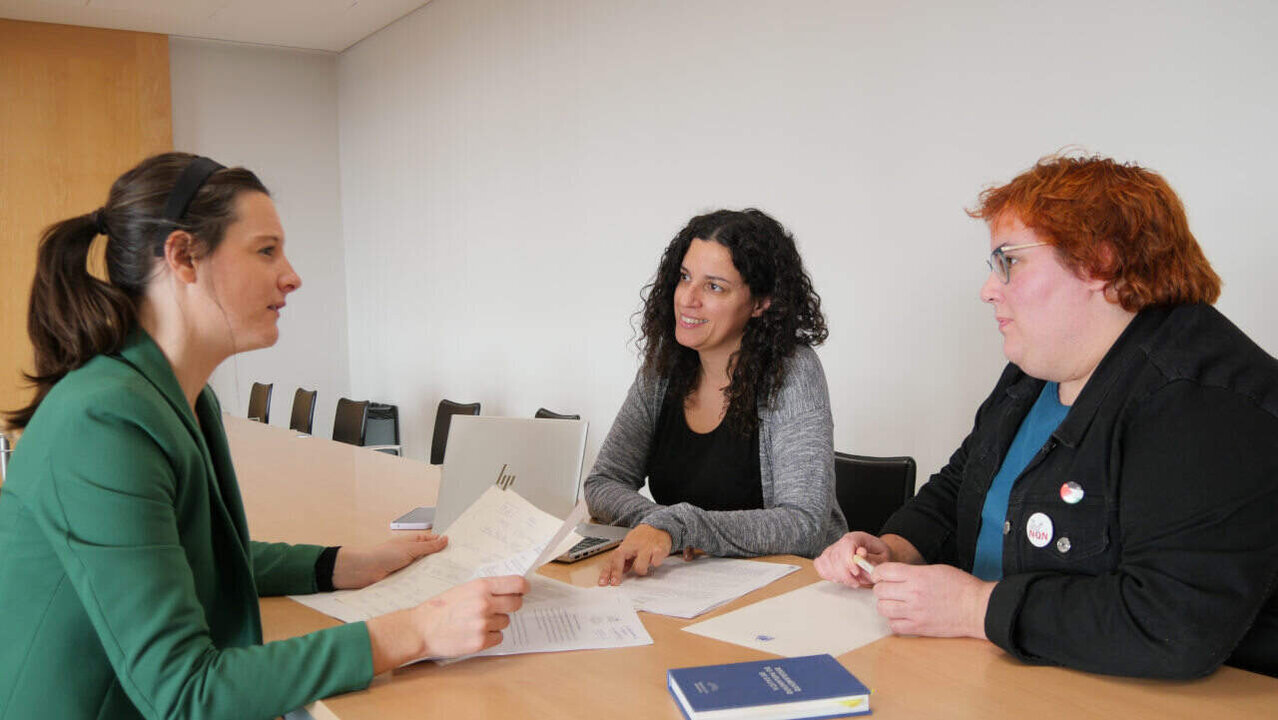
[422, 518]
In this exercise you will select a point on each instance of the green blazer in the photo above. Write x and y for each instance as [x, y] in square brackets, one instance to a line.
[128, 583]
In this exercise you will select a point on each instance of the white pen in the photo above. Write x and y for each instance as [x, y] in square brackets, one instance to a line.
[864, 565]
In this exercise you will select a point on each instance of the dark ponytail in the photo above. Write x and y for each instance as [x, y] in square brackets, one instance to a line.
[74, 316]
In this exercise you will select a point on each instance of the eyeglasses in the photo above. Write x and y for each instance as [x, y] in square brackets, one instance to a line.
[1001, 264]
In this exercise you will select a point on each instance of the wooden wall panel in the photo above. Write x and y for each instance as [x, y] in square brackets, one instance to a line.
[78, 106]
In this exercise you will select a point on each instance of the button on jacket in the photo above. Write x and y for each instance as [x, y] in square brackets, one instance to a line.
[1168, 564]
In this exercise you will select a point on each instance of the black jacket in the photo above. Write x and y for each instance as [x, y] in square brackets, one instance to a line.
[1168, 565]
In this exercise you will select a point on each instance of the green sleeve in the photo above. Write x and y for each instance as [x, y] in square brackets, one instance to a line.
[283, 569]
[109, 511]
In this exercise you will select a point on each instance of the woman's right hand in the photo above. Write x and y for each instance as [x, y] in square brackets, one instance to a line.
[836, 562]
[643, 549]
[470, 617]
[459, 621]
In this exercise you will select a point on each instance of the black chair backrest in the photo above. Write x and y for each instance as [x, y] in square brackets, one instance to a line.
[544, 413]
[350, 421]
[303, 417]
[443, 420]
[870, 489]
[259, 408]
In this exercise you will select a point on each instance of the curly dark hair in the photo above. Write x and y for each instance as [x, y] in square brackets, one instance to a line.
[765, 255]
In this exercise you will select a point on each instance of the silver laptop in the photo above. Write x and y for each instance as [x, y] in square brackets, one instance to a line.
[541, 459]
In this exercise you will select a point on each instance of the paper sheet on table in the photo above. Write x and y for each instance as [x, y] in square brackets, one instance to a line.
[688, 589]
[501, 533]
[557, 617]
[823, 617]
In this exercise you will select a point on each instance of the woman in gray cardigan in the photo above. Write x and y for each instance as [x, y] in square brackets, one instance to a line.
[728, 418]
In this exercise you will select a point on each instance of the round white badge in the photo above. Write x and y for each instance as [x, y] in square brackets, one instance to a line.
[1039, 530]
[1071, 492]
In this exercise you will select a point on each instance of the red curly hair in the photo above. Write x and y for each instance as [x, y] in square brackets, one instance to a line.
[1110, 221]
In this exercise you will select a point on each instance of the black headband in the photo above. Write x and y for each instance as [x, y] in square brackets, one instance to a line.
[183, 192]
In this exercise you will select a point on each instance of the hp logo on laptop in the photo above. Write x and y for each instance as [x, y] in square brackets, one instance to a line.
[504, 480]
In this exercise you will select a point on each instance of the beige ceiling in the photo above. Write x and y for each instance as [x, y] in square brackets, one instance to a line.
[331, 25]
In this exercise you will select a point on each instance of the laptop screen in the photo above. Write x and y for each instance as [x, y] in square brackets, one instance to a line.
[540, 459]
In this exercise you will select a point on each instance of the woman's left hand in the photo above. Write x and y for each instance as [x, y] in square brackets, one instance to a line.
[359, 567]
[932, 600]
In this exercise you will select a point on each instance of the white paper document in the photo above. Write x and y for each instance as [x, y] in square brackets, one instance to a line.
[500, 534]
[557, 616]
[529, 560]
[330, 604]
[688, 589]
[823, 617]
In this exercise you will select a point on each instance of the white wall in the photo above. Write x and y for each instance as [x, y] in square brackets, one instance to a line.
[274, 111]
[512, 170]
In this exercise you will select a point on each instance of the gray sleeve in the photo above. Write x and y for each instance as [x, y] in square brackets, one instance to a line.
[797, 455]
[612, 487]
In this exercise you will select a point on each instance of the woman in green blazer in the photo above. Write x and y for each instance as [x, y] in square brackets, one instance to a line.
[128, 583]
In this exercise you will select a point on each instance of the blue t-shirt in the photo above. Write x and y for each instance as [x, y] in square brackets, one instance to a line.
[1036, 428]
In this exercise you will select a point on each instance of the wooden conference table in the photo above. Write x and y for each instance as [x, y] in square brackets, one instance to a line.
[311, 490]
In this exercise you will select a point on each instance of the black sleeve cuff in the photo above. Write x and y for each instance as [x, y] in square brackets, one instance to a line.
[1003, 612]
[324, 569]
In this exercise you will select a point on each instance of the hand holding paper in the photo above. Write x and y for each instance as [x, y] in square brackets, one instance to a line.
[357, 567]
[461, 620]
[557, 616]
[501, 534]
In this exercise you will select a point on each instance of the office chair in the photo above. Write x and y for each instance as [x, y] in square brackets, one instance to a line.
[358, 421]
[381, 432]
[544, 413]
[303, 417]
[870, 489]
[259, 407]
[443, 420]
[351, 421]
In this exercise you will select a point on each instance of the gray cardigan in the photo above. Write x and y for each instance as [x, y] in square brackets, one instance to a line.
[796, 466]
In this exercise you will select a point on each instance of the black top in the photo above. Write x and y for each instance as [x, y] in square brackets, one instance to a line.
[715, 471]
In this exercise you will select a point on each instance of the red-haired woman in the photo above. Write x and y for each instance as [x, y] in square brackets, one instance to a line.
[1113, 508]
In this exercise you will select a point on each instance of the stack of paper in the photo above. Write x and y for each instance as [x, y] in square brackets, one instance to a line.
[688, 589]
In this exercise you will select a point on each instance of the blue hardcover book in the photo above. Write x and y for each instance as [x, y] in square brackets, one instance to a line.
[814, 686]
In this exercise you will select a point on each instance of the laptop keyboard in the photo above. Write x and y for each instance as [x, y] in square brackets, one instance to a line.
[586, 544]
[587, 547]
